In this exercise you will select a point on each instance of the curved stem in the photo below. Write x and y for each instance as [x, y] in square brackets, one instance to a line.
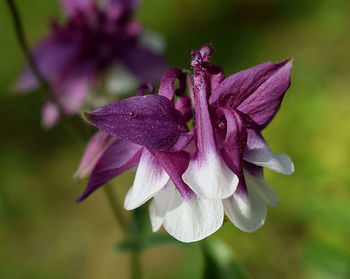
[24, 44]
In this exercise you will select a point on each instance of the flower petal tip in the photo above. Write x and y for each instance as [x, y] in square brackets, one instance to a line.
[87, 115]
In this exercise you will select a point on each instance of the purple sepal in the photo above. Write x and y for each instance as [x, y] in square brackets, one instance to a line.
[151, 121]
[117, 158]
[256, 92]
[94, 150]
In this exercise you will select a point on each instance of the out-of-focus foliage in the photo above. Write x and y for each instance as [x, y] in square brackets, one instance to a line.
[44, 234]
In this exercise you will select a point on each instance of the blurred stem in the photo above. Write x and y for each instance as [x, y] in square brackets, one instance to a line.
[116, 207]
[24, 44]
[135, 265]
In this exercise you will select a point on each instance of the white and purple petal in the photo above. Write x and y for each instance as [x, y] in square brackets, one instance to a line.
[207, 173]
[150, 178]
[187, 219]
[259, 153]
[247, 208]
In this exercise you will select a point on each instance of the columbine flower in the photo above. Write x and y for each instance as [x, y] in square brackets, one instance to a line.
[230, 114]
[194, 177]
[152, 133]
[94, 39]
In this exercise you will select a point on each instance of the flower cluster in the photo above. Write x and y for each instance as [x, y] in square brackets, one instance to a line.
[194, 176]
[93, 39]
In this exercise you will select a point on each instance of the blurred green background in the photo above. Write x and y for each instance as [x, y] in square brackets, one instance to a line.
[45, 234]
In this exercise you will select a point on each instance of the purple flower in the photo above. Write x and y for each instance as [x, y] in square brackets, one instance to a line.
[151, 131]
[230, 150]
[94, 38]
[194, 177]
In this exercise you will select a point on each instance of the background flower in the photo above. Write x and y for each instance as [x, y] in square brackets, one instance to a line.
[92, 40]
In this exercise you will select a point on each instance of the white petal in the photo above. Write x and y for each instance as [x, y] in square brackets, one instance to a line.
[160, 204]
[210, 177]
[264, 157]
[149, 179]
[247, 211]
[258, 184]
[156, 220]
[193, 219]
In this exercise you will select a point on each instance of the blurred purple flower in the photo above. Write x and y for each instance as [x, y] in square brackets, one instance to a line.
[94, 38]
[230, 114]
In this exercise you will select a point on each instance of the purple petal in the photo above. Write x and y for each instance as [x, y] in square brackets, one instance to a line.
[50, 115]
[117, 158]
[166, 87]
[51, 55]
[183, 104]
[151, 121]
[257, 92]
[234, 144]
[235, 140]
[145, 65]
[216, 76]
[94, 150]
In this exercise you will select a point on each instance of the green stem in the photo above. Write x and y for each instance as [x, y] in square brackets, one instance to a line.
[135, 257]
[116, 207]
[135, 265]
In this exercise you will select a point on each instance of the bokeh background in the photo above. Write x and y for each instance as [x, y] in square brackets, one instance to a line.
[45, 234]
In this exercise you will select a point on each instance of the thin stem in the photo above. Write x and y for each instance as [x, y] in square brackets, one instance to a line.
[24, 44]
[135, 265]
[116, 207]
